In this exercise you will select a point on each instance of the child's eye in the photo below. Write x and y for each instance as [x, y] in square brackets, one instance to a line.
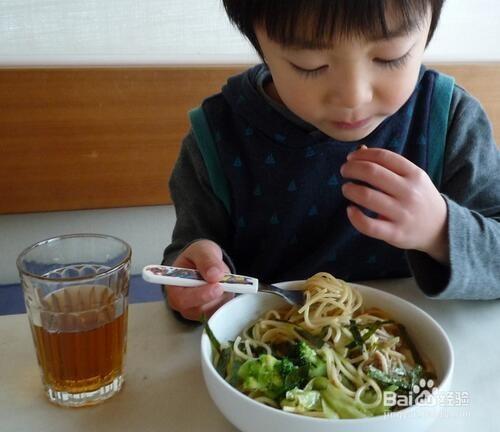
[394, 63]
[309, 73]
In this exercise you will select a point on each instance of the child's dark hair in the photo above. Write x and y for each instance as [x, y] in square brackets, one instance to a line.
[322, 21]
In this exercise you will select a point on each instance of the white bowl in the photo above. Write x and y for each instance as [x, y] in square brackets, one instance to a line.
[249, 415]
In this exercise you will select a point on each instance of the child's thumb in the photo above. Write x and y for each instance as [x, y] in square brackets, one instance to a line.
[209, 263]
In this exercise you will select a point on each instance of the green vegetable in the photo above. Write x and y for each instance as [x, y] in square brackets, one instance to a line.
[233, 369]
[338, 402]
[270, 376]
[315, 340]
[388, 379]
[409, 343]
[307, 357]
[403, 379]
[302, 400]
[356, 334]
[213, 340]
[327, 411]
[223, 361]
[355, 329]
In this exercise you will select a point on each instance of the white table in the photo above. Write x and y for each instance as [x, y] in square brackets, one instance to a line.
[164, 388]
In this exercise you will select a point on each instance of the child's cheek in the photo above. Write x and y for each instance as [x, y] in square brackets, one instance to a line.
[397, 92]
[301, 102]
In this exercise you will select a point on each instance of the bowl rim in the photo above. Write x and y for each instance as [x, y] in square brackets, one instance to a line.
[408, 412]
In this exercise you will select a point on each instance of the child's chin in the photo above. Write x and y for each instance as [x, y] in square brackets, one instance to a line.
[349, 135]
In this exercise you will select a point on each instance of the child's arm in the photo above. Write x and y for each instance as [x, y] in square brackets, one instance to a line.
[471, 188]
[200, 215]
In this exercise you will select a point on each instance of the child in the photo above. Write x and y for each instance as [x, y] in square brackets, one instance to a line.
[340, 153]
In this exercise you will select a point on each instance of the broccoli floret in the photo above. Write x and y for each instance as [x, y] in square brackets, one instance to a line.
[306, 356]
[286, 367]
[270, 376]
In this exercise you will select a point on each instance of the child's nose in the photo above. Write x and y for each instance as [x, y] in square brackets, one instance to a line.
[351, 92]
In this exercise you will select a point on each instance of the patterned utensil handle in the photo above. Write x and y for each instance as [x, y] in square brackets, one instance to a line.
[167, 275]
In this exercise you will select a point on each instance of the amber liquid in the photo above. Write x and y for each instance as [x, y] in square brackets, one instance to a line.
[81, 341]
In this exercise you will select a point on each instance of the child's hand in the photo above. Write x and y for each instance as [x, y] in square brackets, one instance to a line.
[206, 257]
[411, 212]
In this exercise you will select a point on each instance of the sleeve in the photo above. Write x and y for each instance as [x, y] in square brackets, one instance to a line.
[199, 213]
[471, 189]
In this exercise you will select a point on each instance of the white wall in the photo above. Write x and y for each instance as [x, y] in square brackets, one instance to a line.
[99, 32]
[187, 31]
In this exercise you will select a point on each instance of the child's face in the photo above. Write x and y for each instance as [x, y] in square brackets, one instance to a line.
[348, 90]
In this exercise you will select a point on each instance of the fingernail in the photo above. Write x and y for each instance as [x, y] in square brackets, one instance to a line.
[359, 147]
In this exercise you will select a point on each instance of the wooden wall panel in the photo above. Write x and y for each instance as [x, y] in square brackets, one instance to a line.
[94, 138]
[108, 137]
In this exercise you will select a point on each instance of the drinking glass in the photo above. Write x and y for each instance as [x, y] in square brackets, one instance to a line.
[76, 294]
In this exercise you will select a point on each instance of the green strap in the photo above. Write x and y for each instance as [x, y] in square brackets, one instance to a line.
[438, 125]
[206, 144]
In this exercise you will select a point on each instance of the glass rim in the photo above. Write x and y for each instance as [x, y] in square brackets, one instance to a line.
[68, 236]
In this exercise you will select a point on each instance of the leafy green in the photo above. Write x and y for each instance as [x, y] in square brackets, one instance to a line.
[315, 340]
[302, 400]
[305, 356]
[356, 334]
[213, 340]
[223, 361]
[402, 379]
[270, 376]
[355, 329]
[233, 369]
[338, 402]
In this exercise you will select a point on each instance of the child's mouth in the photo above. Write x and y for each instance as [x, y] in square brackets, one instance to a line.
[352, 125]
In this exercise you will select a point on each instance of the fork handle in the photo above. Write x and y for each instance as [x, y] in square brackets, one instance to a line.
[168, 275]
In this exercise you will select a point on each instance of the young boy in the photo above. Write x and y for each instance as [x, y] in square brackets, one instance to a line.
[340, 153]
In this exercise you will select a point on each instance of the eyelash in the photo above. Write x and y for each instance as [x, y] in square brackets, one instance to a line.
[394, 64]
[389, 64]
[309, 73]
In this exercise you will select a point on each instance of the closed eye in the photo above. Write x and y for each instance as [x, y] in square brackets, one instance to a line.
[394, 63]
[309, 72]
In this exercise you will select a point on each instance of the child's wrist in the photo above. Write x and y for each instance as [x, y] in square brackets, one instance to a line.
[439, 248]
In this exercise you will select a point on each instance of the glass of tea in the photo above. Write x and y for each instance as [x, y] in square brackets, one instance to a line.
[76, 294]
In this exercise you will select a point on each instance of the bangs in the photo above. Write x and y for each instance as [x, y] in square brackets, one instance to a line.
[317, 24]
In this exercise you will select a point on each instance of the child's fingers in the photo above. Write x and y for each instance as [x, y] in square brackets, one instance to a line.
[392, 161]
[377, 228]
[375, 175]
[206, 257]
[373, 200]
[196, 313]
[182, 298]
[209, 308]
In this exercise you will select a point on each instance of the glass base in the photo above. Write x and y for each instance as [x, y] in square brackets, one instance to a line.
[86, 398]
